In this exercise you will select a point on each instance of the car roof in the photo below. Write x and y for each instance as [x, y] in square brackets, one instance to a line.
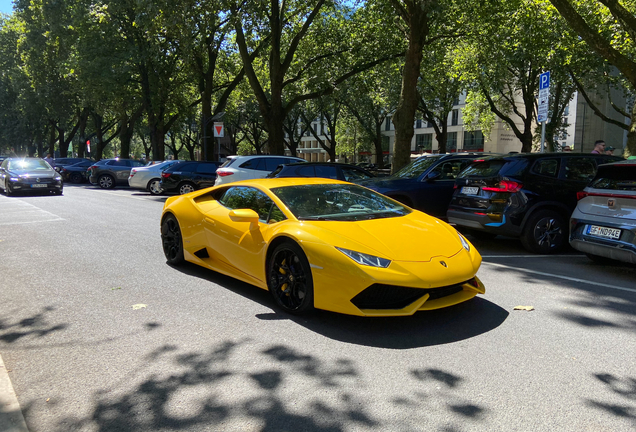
[269, 183]
[322, 163]
[261, 155]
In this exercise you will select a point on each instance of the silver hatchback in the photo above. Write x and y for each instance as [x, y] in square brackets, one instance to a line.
[603, 225]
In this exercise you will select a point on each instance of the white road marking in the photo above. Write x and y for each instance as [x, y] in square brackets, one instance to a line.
[18, 212]
[124, 196]
[616, 287]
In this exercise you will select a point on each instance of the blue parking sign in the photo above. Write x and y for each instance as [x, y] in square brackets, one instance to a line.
[544, 80]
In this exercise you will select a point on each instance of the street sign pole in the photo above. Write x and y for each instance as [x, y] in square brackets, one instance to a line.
[542, 111]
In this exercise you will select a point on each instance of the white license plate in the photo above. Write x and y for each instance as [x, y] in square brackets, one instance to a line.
[468, 190]
[39, 185]
[598, 231]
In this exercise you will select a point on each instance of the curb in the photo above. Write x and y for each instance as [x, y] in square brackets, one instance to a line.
[11, 418]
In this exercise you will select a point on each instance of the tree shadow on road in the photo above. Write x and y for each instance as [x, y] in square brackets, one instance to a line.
[622, 387]
[13, 329]
[282, 390]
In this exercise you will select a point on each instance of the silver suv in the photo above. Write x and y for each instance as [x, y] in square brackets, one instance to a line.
[250, 167]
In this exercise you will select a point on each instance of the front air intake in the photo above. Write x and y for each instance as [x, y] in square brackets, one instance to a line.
[380, 296]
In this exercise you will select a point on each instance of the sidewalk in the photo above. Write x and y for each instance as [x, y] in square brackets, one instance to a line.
[11, 419]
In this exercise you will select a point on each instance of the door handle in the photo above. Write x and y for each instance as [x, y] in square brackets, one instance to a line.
[210, 221]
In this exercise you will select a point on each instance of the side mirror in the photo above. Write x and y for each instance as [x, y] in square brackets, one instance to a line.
[244, 215]
[432, 176]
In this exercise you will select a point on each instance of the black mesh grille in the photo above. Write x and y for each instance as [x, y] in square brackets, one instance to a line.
[379, 296]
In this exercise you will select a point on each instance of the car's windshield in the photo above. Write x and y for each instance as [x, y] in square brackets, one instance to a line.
[620, 177]
[416, 168]
[28, 164]
[337, 202]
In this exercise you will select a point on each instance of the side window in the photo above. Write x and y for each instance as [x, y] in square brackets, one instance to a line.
[206, 168]
[306, 171]
[242, 197]
[252, 164]
[450, 169]
[580, 168]
[136, 163]
[327, 172]
[546, 167]
[189, 167]
[351, 174]
[272, 163]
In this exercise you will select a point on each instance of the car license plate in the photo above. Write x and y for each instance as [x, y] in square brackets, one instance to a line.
[468, 190]
[604, 232]
[39, 185]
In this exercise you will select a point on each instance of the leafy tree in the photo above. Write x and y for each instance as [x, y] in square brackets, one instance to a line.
[609, 29]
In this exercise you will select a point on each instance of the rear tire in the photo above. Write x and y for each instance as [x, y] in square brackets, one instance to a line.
[544, 232]
[185, 188]
[154, 187]
[106, 181]
[171, 240]
[75, 177]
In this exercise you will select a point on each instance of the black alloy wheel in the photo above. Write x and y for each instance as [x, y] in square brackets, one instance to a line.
[154, 187]
[544, 233]
[75, 177]
[171, 240]
[106, 181]
[289, 279]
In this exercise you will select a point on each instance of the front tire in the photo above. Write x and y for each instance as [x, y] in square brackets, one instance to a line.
[171, 240]
[154, 187]
[185, 188]
[106, 182]
[544, 233]
[289, 279]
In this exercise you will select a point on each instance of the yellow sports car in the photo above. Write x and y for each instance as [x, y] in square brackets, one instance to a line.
[326, 244]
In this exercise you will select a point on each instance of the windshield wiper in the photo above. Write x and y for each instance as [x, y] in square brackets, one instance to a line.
[320, 218]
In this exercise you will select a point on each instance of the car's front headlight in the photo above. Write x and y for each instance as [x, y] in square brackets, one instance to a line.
[14, 179]
[57, 177]
[365, 259]
[464, 242]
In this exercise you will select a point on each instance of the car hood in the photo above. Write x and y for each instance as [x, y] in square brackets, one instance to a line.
[414, 237]
[33, 173]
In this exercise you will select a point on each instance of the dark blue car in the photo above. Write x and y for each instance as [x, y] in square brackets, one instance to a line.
[425, 184]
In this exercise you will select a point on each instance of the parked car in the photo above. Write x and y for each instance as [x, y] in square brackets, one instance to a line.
[330, 170]
[322, 243]
[108, 173]
[60, 163]
[149, 177]
[603, 224]
[237, 168]
[184, 177]
[426, 183]
[530, 196]
[76, 173]
[29, 175]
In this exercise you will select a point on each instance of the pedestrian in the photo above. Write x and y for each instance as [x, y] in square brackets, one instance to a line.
[609, 150]
[599, 147]
[50, 160]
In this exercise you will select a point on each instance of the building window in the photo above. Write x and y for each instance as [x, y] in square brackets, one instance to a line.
[451, 141]
[429, 123]
[456, 100]
[418, 124]
[473, 140]
[455, 118]
[387, 124]
[424, 142]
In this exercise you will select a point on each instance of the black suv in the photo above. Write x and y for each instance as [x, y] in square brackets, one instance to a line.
[332, 170]
[185, 177]
[530, 196]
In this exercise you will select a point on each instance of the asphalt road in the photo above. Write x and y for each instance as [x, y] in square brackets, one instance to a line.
[98, 333]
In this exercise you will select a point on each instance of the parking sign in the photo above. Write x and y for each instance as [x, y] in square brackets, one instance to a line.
[544, 96]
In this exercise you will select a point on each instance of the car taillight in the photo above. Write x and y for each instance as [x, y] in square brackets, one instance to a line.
[582, 194]
[224, 173]
[165, 175]
[504, 186]
[132, 172]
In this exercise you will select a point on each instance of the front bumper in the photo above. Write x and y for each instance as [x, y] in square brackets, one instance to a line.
[48, 185]
[399, 290]
[622, 249]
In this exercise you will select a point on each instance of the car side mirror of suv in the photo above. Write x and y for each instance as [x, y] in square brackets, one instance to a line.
[432, 176]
